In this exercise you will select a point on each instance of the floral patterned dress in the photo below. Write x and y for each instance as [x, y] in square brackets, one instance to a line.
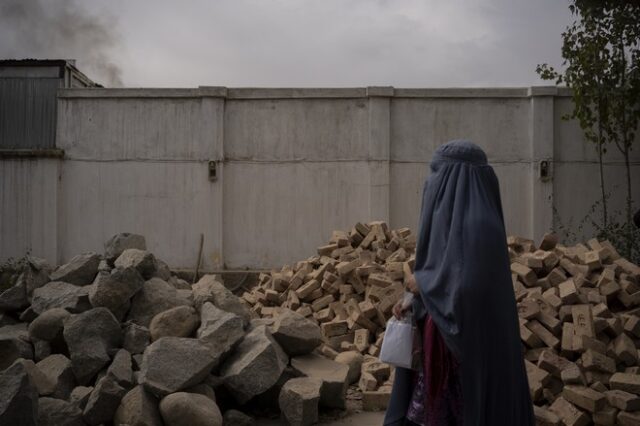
[437, 393]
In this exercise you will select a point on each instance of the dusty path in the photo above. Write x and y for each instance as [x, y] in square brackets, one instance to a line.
[356, 419]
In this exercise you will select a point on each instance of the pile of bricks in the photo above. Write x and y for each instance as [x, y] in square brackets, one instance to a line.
[579, 321]
[349, 288]
[578, 308]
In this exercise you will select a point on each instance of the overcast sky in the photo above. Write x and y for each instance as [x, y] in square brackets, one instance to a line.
[300, 43]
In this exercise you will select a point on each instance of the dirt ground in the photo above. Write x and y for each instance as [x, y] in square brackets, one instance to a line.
[350, 419]
[352, 416]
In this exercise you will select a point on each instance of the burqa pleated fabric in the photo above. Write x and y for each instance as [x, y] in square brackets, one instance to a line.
[463, 272]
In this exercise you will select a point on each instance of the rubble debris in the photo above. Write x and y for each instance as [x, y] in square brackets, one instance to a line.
[299, 400]
[18, 397]
[117, 338]
[57, 412]
[189, 409]
[91, 336]
[255, 366]
[171, 364]
[138, 407]
[334, 376]
[574, 303]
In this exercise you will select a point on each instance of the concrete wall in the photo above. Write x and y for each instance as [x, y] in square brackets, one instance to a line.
[28, 207]
[576, 186]
[139, 164]
[292, 165]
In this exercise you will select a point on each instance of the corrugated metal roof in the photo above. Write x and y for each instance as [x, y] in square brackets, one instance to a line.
[65, 66]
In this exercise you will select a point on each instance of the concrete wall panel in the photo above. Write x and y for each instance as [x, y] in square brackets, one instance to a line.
[28, 208]
[292, 165]
[419, 125]
[277, 213]
[577, 188]
[572, 146]
[296, 129]
[169, 203]
[137, 129]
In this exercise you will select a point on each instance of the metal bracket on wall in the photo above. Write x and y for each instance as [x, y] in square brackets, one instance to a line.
[545, 170]
[213, 171]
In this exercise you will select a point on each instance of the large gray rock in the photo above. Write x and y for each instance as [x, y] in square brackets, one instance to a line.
[81, 270]
[57, 369]
[42, 348]
[189, 409]
[137, 365]
[136, 338]
[141, 260]
[56, 412]
[121, 242]
[185, 297]
[6, 319]
[209, 289]
[353, 360]
[18, 331]
[28, 315]
[180, 321]
[103, 401]
[179, 283]
[236, 418]
[91, 336]
[255, 366]
[14, 344]
[203, 389]
[43, 384]
[155, 296]
[296, 334]
[271, 396]
[36, 273]
[221, 331]
[299, 399]
[18, 397]
[48, 325]
[58, 294]
[163, 272]
[171, 364]
[121, 369]
[138, 408]
[105, 267]
[335, 377]
[15, 297]
[80, 395]
[114, 290]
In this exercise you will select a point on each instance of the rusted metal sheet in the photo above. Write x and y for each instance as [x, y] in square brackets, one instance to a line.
[28, 112]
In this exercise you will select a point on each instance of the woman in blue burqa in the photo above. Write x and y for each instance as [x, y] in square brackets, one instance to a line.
[472, 370]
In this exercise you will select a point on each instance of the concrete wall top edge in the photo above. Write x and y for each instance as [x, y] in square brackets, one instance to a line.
[292, 93]
[301, 93]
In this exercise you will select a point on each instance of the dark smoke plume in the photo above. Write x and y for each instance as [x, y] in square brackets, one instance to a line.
[60, 29]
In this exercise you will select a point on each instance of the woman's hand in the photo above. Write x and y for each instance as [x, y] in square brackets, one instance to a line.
[398, 310]
[412, 285]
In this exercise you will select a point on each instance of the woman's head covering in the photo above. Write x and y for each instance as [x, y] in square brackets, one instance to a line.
[459, 151]
[460, 206]
[463, 272]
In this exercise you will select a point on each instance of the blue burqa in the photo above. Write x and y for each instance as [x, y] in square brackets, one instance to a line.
[463, 273]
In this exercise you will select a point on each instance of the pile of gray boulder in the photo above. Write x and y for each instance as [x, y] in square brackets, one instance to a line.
[117, 339]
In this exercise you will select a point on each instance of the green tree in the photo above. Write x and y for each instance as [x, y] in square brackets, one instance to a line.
[601, 65]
